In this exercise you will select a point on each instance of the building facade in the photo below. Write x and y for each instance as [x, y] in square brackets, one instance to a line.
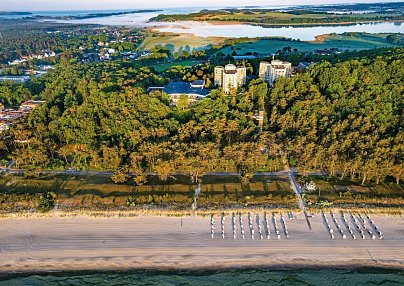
[270, 72]
[230, 77]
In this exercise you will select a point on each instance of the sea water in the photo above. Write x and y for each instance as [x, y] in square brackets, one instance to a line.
[323, 277]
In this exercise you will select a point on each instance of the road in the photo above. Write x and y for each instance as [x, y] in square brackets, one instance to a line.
[110, 173]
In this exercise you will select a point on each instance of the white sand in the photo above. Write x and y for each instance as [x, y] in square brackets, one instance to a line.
[83, 243]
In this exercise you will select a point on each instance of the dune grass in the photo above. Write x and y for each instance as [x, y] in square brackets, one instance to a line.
[345, 192]
[99, 192]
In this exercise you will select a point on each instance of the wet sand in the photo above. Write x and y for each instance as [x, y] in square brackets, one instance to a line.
[82, 243]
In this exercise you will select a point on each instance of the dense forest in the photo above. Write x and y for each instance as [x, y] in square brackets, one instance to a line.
[99, 117]
[346, 118]
[21, 38]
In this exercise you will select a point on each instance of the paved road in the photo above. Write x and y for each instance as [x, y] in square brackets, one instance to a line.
[110, 173]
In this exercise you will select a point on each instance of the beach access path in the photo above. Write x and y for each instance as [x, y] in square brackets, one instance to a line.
[38, 244]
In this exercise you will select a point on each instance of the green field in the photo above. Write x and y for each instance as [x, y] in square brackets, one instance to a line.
[352, 41]
[356, 41]
[165, 66]
[266, 17]
[178, 42]
[278, 16]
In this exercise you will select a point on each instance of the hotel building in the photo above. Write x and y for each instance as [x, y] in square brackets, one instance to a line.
[230, 77]
[270, 72]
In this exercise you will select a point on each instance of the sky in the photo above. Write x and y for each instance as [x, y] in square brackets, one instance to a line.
[44, 5]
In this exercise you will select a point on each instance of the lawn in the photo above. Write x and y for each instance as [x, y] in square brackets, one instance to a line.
[356, 41]
[257, 16]
[179, 42]
[165, 66]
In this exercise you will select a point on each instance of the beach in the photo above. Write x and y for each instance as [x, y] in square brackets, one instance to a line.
[39, 244]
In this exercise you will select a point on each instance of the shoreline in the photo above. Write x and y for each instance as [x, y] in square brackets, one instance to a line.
[173, 243]
[303, 265]
[393, 212]
[217, 22]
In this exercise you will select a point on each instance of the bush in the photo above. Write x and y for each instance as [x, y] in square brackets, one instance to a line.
[46, 202]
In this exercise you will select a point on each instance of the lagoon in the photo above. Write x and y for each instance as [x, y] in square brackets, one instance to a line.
[205, 29]
[232, 30]
[227, 30]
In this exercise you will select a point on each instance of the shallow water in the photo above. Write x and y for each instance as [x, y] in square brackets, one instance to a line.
[223, 278]
[204, 29]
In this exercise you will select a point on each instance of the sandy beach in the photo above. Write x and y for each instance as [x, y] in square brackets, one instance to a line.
[39, 244]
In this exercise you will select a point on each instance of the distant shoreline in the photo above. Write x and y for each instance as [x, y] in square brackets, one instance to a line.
[5, 13]
[280, 25]
[93, 15]
[90, 15]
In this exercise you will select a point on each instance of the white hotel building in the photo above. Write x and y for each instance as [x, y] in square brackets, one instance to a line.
[230, 77]
[270, 72]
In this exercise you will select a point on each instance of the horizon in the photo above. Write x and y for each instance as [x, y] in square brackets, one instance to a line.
[51, 5]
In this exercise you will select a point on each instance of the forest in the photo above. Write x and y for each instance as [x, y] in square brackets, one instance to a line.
[99, 117]
[343, 116]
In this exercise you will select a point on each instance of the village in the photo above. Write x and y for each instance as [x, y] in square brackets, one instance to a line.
[9, 116]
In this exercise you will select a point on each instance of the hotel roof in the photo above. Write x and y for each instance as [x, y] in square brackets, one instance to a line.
[181, 87]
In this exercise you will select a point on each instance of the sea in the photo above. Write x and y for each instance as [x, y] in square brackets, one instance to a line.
[254, 277]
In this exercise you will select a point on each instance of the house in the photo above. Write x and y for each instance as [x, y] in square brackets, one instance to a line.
[31, 104]
[176, 89]
[301, 67]
[11, 114]
[46, 67]
[19, 79]
[323, 52]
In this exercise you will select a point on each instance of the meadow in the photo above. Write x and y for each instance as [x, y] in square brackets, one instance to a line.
[351, 41]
